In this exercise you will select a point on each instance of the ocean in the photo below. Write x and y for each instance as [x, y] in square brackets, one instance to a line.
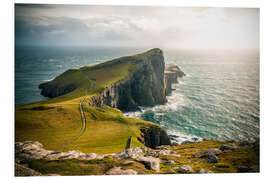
[218, 98]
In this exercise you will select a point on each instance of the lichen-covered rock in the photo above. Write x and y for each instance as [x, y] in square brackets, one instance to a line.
[130, 153]
[228, 147]
[207, 152]
[119, 171]
[185, 169]
[211, 158]
[150, 162]
[204, 171]
[31, 150]
[167, 153]
[169, 162]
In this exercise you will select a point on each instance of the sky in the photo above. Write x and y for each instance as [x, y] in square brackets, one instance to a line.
[137, 26]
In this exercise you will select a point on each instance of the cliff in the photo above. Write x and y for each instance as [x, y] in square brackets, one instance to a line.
[142, 85]
[172, 72]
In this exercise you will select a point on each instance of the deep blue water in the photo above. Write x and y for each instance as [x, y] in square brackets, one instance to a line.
[219, 97]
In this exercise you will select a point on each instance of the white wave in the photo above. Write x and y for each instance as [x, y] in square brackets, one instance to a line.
[180, 138]
[46, 80]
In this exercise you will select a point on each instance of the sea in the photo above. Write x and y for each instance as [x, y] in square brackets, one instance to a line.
[217, 99]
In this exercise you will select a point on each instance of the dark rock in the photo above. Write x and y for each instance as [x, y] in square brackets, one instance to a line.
[144, 87]
[21, 170]
[211, 159]
[207, 152]
[187, 142]
[245, 169]
[185, 169]
[172, 72]
[169, 162]
[155, 136]
[228, 147]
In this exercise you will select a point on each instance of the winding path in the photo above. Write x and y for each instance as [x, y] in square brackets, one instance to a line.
[91, 85]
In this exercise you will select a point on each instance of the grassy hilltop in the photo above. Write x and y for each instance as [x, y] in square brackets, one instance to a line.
[55, 121]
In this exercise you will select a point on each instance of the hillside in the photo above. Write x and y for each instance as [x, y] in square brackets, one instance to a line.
[54, 122]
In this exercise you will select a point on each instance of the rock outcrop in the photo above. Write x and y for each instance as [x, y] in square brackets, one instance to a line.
[172, 72]
[21, 170]
[154, 136]
[144, 86]
[33, 150]
[147, 83]
[119, 171]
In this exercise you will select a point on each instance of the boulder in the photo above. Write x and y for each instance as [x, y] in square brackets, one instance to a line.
[169, 162]
[207, 152]
[150, 162]
[228, 147]
[130, 153]
[211, 159]
[185, 169]
[155, 136]
[167, 153]
[119, 171]
[204, 171]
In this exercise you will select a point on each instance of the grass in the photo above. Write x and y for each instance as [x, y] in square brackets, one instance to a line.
[84, 167]
[55, 121]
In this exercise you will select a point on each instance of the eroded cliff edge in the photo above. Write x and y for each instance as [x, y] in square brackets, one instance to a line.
[143, 85]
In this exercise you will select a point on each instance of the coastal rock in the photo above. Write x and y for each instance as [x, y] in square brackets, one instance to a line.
[119, 171]
[185, 169]
[171, 73]
[175, 69]
[155, 136]
[143, 86]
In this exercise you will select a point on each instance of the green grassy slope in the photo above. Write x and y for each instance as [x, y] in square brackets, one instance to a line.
[55, 121]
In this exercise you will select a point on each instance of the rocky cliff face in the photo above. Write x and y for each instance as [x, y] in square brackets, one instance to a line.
[155, 136]
[144, 87]
[172, 72]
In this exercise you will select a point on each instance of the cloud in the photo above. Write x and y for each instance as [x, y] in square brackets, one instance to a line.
[137, 26]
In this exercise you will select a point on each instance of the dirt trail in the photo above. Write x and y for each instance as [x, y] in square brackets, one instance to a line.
[91, 85]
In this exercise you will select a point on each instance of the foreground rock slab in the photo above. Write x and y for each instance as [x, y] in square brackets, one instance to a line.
[119, 171]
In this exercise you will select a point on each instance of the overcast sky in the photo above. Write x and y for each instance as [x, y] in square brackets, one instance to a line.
[141, 26]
